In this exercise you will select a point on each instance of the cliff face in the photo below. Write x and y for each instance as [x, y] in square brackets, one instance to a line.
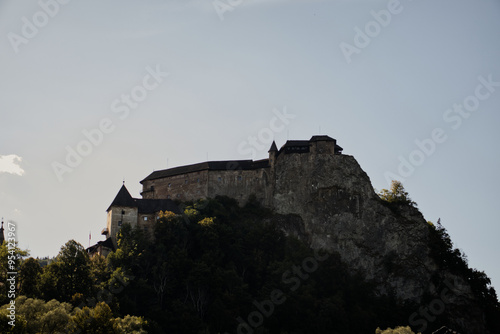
[340, 211]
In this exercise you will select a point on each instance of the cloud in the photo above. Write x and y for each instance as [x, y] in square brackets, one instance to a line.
[10, 164]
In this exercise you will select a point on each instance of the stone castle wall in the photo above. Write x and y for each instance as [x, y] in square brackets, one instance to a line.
[183, 187]
[236, 183]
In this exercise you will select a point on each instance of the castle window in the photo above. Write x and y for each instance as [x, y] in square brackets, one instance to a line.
[169, 185]
[219, 178]
[152, 188]
[198, 180]
[119, 223]
[185, 181]
[123, 212]
[168, 196]
[145, 218]
[239, 177]
[178, 195]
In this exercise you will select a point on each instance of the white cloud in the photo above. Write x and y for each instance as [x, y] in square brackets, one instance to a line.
[10, 164]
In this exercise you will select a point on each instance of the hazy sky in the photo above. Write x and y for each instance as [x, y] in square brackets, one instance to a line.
[93, 92]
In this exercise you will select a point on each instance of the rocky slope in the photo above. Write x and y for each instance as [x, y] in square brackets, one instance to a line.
[333, 206]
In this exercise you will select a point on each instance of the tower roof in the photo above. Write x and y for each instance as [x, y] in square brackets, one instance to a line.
[123, 198]
[273, 148]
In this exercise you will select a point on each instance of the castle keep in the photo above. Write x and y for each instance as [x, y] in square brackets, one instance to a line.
[237, 179]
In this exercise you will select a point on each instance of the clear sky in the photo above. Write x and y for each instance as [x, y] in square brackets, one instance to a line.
[411, 89]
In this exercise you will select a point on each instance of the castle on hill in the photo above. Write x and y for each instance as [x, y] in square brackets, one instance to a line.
[238, 179]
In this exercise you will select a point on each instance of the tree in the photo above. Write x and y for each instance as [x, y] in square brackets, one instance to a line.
[97, 320]
[68, 275]
[397, 194]
[74, 270]
[14, 255]
[29, 276]
[130, 325]
[397, 330]
[37, 316]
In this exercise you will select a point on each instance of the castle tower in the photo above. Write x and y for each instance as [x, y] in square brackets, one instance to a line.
[122, 210]
[324, 145]
[2, 237]
[273, 151]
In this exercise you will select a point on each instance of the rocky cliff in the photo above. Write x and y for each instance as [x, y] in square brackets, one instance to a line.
[335, 207]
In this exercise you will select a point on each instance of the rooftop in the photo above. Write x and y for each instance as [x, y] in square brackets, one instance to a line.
[124, 199]
[209, 165]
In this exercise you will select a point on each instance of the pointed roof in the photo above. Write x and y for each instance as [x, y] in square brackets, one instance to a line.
[273, 148]
[2, 237]
[123, 198]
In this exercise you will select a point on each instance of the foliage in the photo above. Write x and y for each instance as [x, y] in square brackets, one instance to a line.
[210, 269]
[29, 276]
[14, 254]
[452, 259]
[397, 194]
[397, 330]
[37, 316]
[208, 266]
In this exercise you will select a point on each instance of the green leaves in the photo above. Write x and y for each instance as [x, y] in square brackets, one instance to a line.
[397, 194]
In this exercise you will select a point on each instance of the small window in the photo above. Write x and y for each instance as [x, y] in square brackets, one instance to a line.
[185, 181]
[239, 177]
[145, 218]
[123, 212]
[198, 180]
[178, 195]
[152, 188]
[169, 185]
[168, 196]
[119, 223]
[219, 178]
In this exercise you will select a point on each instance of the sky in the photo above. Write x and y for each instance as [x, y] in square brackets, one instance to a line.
[96, 92]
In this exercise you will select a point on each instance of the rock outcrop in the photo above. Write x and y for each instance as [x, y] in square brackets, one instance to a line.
[334, 207]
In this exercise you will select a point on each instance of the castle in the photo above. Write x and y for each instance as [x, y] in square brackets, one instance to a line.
[238, 179]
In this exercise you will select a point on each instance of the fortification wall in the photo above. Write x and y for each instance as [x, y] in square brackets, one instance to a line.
[235, 183]
[183, 187]
[239, 184]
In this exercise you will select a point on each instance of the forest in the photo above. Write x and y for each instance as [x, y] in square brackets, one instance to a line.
[217, 268]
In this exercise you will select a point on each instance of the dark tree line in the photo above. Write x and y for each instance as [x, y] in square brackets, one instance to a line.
[218, 268]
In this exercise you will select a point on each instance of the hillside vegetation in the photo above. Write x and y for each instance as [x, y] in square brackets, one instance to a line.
[219, 268]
